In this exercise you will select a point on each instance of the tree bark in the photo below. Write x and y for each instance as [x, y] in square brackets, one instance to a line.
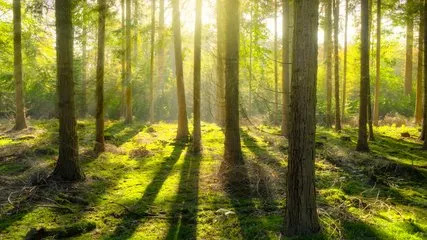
[68, 166]
[17, 72]
[251, 39]
[409, 48]
[100, 142]
[182, 133]
[419, 97]
[197, 75]
[362, 142]
[328, 61]
[286, 67]
[425, 79]
[129, 114]
[337, 65]
[153, 28]
[344, 85]
[276, 68]
[378, 67]
[301, 213]
[123, 61]
[84, 63]
[220, 71]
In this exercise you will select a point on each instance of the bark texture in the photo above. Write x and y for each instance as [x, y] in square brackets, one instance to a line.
[328, 61]
[129, 113]
[337, 65]
[378, 67]
[409, 48]
[68, 166]
[197, 75]
[419, 97]
[425, 79]
[344, 85]
[285, 66]
[301, 213]
[83, 110]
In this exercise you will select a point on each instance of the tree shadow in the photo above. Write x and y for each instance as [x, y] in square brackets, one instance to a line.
[132, 219]
[120, 132]
[183, 224]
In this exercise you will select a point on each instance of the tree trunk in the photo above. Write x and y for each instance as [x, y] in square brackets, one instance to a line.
[419, 98]
[409, 49]
[84, 63]
[68, 166]
[129, 114]
[153, 28]
[251, 39]
[197, 75]
[425, 79]
[161, 44]
[344, 85]
[286, 67]
[100, 142]
[17, 73]
[328, 61]
[337, 65]
[276, 68]
[232, 147]
[123, 61]
[362, 142]
[301, 213]
[220, 71]
[378, 67]
[182, 108]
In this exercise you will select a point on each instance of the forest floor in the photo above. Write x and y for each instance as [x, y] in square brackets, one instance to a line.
[148, 186]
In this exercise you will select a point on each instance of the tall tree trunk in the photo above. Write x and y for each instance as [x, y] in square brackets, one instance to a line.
[123, 61]
[197, 75]
[153, 28]
[220, 71]
[370, 122]
[328, 61]
[337, 65]
[251, 39]
[276, 68]
[378, 67]
[68, 166]
[17, 72]
[100, 142]
[232, 147]
[84, 63]
[425, 80]
[161, 44]
[129, 113]
[344, 85]
[409, 48]
[362, 142]
[301, 214]
[286, 67]
[419, 98]
[182, 108]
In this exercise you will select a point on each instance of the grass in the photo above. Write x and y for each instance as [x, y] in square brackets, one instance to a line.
[148, 186]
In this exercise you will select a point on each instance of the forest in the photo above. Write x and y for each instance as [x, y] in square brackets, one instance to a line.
[213, 119]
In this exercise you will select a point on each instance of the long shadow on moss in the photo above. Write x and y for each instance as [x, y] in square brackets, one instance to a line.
[119, 132]
[132, 220]
[183, 224]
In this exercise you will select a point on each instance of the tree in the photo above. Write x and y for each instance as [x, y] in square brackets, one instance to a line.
[17, 73]
[337, 65]
[276, 68]
[161, 43]
[425, 79]
[197, 75]
[378, 66]
[286, 66]
[419, 97]
[301, 213]
[123, 61]
[182, 108]
[232, 148]
[100, 141]
[328, 61]
[68, 166]
[344, 85]
[409, 47]
[153, 28]
[362, 142]
[129, 114]
[84, 63]
[220, 67]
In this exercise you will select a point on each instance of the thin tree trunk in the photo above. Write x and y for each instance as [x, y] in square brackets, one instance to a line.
[251, 39]
[123, 61]
[197, 75]
[276, 68]
[369, 114]
[129, 114]
[84, 63]
[68, 166]
[17, 70]
[409, 49]
[100, 142]
[182, 108]
[301, 212]
[161, 44]
[328, 61]
[337, 65]
[419, 98]
[378, 66]
[425, 80]
[286, 67]
[220, 90]
[362, 143]
[153, 28]
[344, 85]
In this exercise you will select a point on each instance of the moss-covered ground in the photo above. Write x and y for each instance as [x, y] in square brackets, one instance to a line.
[148, 186]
